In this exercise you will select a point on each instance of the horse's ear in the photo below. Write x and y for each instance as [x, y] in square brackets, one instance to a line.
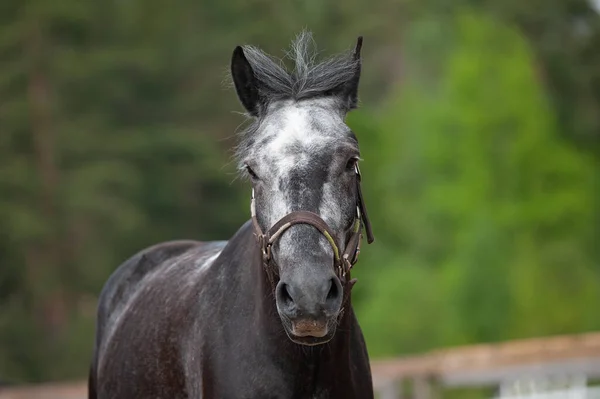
[348, 91]
[245, 82]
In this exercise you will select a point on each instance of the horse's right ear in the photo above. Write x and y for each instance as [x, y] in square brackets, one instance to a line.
[246, 84]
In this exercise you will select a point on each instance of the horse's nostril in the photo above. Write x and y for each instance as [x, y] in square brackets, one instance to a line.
[285, 295]
[333, 290]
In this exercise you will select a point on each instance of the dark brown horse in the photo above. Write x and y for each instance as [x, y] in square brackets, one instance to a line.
[268, 313]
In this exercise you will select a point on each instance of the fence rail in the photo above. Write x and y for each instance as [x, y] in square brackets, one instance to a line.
[67, 390]
[491, 365]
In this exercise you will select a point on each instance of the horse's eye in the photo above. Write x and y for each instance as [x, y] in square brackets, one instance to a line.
[351, 163]
[251, 172]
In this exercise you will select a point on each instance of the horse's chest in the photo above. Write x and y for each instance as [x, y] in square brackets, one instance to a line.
[265, 379]
[272, 389]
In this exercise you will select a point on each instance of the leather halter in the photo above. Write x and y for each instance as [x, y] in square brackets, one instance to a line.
[343, 262]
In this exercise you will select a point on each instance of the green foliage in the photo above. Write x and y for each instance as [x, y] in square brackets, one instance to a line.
[483, 212]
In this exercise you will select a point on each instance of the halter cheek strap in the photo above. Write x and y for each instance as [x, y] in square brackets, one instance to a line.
[362, 209]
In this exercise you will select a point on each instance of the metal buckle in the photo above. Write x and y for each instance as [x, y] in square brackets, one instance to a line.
[265, 248]
[267, 251]
[344, 266]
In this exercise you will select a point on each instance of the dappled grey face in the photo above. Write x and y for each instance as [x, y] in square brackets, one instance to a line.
[303, 158]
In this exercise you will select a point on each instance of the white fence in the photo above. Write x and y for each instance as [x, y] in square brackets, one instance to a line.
[583, 393]
[543, 368]
[549, 387]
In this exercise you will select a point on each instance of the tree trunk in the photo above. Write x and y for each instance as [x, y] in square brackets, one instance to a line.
[44, 260]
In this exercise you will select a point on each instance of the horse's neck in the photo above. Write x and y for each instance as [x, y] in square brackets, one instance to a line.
[306, 362]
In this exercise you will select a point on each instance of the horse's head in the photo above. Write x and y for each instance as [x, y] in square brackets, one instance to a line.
[302, 159]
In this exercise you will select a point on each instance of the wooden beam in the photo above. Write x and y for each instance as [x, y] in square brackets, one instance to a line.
[73, 390]
[488, 364]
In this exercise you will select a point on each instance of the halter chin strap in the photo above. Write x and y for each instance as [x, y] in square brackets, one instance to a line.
[343, 261]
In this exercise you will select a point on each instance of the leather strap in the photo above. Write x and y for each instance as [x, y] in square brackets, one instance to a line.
[363, 208]
[343, 262]
[302, 217]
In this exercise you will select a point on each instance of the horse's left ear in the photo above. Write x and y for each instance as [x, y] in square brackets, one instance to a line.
[348, 91]
[245, 83]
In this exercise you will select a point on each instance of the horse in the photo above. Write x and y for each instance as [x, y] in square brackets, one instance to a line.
[267, 313]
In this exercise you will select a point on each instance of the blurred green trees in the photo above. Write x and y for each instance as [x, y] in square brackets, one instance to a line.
[485, 212]
[479, 132]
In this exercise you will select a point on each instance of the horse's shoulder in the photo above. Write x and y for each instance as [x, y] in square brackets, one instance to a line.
[124, 281]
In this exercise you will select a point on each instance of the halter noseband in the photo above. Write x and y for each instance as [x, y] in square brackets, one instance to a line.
[343, 262]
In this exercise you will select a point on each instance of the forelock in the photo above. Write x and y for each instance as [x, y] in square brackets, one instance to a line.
[308, 79]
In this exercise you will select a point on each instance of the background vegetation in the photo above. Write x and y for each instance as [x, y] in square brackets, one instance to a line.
[480, 130]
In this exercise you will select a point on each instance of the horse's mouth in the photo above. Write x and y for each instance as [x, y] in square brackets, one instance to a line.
[309, 332]
[309, 328]
[310, 341]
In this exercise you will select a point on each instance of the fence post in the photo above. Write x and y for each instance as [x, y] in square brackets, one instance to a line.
[390, 390]
[422, 388]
